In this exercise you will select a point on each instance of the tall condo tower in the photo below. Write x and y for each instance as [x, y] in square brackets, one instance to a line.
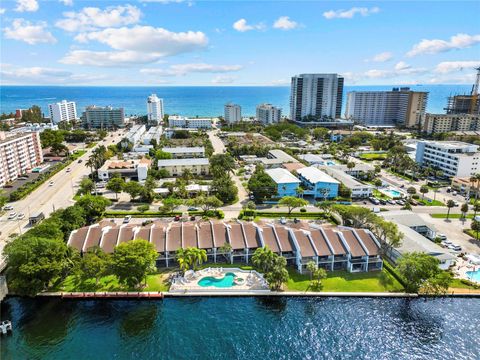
[316, 97]
[154, 109]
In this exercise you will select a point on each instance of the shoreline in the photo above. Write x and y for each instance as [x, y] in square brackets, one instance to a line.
[158, 295]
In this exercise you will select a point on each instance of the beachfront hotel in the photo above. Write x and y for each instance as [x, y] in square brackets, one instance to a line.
[331, 248]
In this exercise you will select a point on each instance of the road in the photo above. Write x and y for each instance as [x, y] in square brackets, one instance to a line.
[47, 198]
[231, 211]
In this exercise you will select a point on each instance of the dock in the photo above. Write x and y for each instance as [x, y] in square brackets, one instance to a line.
[112, 295]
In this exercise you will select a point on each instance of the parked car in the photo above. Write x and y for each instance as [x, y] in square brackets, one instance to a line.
[442, 237]
[192, 218]
[176, 218]
[79, 161]
[68, 170]
[283, 221]
[192, 208]
[391, 202]
[12, 215]
[21, 216]
[127, 219]
[383, 202]
[50, 183]
[8, 208]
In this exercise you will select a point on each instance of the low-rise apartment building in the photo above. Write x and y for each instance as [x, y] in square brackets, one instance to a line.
[185, 152]
[453, 158]
[441, 123]
[287, 183]
[135, 134]
[357, 189]
[18, 154]
[176, 167]
[317, 183]
[175, 121]
[132, 169]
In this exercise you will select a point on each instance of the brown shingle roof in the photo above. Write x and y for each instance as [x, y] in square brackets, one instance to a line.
[236, 237]
[306, 248]
[174, 238]
[269, 239]
[367, 240]
[189, 235]
[252, 237]
[157, 237]
[337, 246]
[205, 236]
[93, 238]
[320, 243]
[143, 233]
[78, 238]
[126, 233]
[283, 239]
[109, 240]
[355, 247]
[293, 166]
[220, 234]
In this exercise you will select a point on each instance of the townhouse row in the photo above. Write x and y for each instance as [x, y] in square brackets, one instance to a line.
[340, 248]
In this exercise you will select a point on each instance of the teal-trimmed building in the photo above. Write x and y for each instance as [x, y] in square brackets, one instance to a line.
[287, 183]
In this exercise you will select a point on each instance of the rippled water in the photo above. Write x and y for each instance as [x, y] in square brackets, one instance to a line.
[242, 328]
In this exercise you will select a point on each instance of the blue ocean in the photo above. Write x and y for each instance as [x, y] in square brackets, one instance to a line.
[186, 100]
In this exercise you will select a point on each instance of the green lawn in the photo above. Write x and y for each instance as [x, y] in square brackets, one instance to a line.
[342, 281]
[452, 216]
[426, 202]
[72, 283]
[458, 284]
[373, 156]
[380, 195]
[471, 233]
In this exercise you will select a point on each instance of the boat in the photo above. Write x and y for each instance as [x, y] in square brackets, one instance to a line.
[5, 327]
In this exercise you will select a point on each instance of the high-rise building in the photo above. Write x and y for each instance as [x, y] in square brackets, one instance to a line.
[18, 153]
[442, 123]
[96, 117]
[401, 107]
[233, 113]
[154, 109]
[268, 114]
[62, 111]
[316, 97]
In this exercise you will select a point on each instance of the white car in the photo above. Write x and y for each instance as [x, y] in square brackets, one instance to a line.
[68, 170]
[8, 208]
[283, 221]
[50, 183]
[12, 215]
[127, 219]
[21, 216]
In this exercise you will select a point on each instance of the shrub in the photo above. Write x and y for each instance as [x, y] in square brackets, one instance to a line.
[143, 208]
[416, 196]
[303, 210]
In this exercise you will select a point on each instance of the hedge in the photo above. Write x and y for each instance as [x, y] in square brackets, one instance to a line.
[135, 213]
[29, 187]
[394, 273]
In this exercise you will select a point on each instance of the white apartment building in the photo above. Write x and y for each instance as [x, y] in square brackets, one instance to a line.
[154, 109]
[314, 97]
[268, 114]
[185, 152]
[176, 167]
[62, 111]
[233, 113]
[98, 117]
[135, 134]
[153, 133]
[386, 108]
[440, 123]
[453, 158]
[133, 169]
[175, 121]
[358, 189]
[18, 153]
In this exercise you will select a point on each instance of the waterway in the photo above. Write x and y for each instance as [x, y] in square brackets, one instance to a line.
[242, 328]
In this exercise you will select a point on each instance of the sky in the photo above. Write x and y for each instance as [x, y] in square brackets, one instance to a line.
[236, 43]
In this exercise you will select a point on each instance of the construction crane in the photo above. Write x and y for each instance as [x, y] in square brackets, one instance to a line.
[474, 94]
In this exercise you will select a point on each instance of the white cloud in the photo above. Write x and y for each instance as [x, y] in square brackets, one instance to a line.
[242, 26]
[26, 5]
[92, 18]
[162, 1]
[456, 42]
[2, 11]
[32, 34]
[349, 14]
[148, 39]
[223, 79]
[382, 57]
[67, 2]
[184, 69]
[31, 75]
[402, 65]
[108, 58]
[446, 67]
[284, 23]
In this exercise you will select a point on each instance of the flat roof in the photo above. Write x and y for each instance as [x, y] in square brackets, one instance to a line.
[282, 155]
[314, 175]
[282, 176]
[182, 150]
[183, 162]
[347, 180]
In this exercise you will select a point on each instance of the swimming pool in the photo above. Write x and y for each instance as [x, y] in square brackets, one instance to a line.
[225, 282]
[474, 275]
[391, 192]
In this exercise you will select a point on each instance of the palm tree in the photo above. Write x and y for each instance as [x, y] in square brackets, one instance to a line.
[464, 210]
[263, 258]
[450, 205]
[424, 190]
[300, 191]
[183, 259]
[197, 256]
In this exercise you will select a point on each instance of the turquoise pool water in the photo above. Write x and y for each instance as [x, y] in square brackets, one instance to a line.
[225, 282]
[474, 275]
[391, 192]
